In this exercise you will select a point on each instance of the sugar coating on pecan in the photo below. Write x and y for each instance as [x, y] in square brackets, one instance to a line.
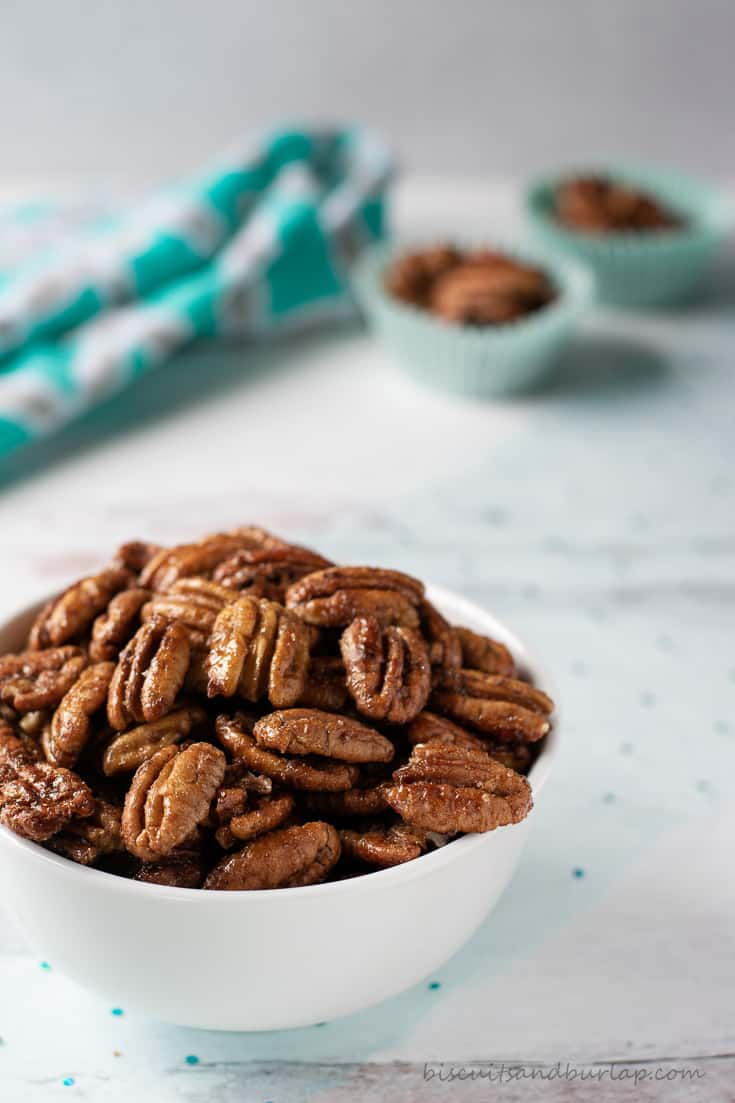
[479, 652]
[169, 796]
[505, 708]
[149, 674]
[258, 649]
[113, 628]
[129, 749]
[34, 680]
[388, 669]
[333, 597]
[383, 846]
[286, 858]
[295, 773]
[310, 731]
[70, 614]
[450, 789]
[37, 799]
[269, 571]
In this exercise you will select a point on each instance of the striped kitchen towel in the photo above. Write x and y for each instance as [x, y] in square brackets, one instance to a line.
[267, 235]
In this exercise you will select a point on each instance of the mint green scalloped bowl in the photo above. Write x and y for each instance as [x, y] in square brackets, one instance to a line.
[485, 362]
[640, 269]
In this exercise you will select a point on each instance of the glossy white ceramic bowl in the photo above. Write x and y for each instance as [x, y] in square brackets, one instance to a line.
[264, 960]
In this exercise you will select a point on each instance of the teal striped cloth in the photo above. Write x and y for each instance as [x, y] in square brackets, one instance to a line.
[267, 235]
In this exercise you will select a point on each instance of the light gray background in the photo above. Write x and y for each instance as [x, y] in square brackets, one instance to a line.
[144, 88]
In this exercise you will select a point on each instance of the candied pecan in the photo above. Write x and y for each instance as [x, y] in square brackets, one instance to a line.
[128, 750]
[36, 680]
[366, 801]
[384, 846]
[481, 653]
[70, 614]
[504, 708]
[428, 727]
[149, 674]
[410, 277]
[444, 646]
[388, 670]
[295, 773]
[517, 756]
[37, 799]
[333, 597]
[34, 723]
[113, 628]
[262, 814]
[201, 557]
[168, 797]
[489, 290]
[450, 788]
[309, 731]
[193, 602]
[183, 868]
[84, 841]
[71, 725]
[289, 857]
[325, 684]
[268, 572]
[594, 204]
[258, 648]
[135, 554]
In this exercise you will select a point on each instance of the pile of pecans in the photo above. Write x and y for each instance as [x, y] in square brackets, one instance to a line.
[240, 713]
[473, 287]
[596, 205]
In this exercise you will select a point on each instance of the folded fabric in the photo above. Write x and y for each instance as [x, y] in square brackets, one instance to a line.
[267, 235]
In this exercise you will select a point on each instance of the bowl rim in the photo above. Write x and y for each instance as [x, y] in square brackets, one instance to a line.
[377, 880]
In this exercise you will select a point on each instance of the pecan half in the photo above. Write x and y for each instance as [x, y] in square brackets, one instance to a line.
[201, 557]
[169, 796]
[37, 799]
[481, 653]
[333, 597]
[72, 722]
[130, 749]
[362, 800]
[268, 572]
[444, 646]
[309, 731]
[388, 670]
[258, 648]
[505, 708]
[325, 684]
[36, 680]
[449, 789]
[428, 727]
[384, 846]
[183, 868]
[411, 277]
[488, 289]
[135, 554]
[70, 614]
[294, 773]
[149, 674]
[286, 858]
[262, 814]
[113, 628]
[84, 841]
[193, 602]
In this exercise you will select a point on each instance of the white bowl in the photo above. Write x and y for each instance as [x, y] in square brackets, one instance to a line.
[264, 960]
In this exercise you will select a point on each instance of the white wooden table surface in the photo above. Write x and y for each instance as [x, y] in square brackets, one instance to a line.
[596, 518]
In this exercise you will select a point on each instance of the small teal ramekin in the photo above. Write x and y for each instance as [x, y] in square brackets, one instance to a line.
[486, 362]
[639, 269]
